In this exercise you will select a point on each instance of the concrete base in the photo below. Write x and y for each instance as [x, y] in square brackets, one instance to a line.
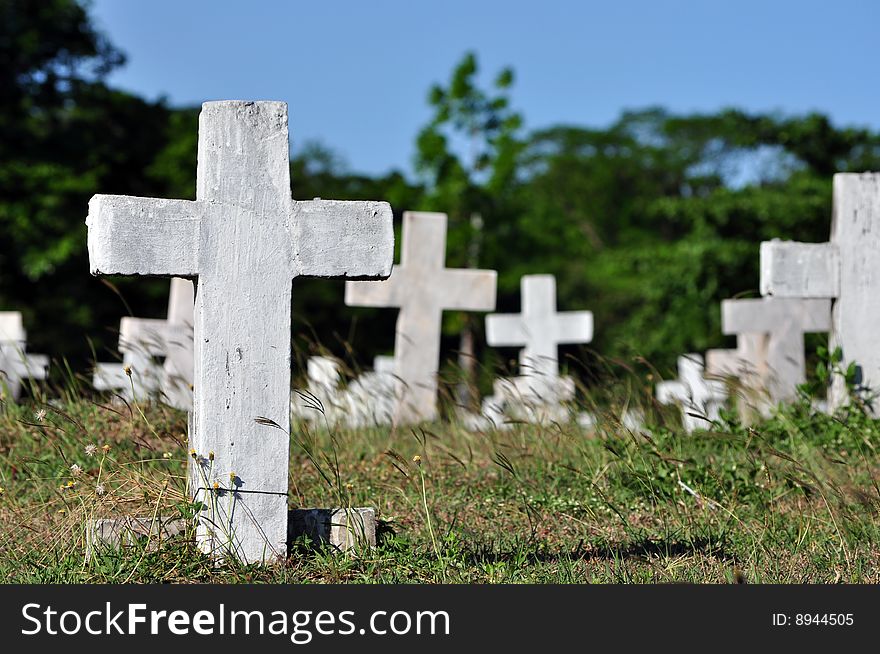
[342, 529]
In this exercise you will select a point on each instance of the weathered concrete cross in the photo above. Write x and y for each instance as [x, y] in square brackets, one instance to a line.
[747, 364]
[699, 398]
[422, 287]
[539, 328]
[782, 322]
[846, 270]
[243, 240]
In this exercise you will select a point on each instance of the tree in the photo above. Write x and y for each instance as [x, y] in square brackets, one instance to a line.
[467, 157]
[64, 135]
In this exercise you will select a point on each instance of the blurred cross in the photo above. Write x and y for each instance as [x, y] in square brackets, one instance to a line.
[422, 287]
[698, 397]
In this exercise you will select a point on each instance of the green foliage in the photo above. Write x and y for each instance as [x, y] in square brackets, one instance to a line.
[649, 222]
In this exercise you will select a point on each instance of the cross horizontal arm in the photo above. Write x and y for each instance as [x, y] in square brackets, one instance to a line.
[506, 330]
[574, 327]
[334, 238]
[33, 366]
[671, 391]
[770, 314]
[144, 236]
[805, 270]
[388, 293]
[470, 290]
[11, 327]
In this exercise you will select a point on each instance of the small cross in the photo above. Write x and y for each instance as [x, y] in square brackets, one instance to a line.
[15, 363]
[243, 240]
[143, 342]
[783, 321]
[422, 287]
[699, 398]
[539, 328]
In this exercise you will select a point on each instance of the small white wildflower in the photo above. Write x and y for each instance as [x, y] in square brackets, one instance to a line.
[75, 470]
[99, 489]
[167, 455]
[40, 415]
[91, 448]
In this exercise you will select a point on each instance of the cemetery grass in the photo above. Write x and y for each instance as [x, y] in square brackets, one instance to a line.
[790, 500]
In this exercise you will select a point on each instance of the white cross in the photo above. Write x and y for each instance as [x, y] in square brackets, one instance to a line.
[699, 398]
[845, 269]
[243, 240]
[140, 376]
[142, 341]
[323, 402]
[422, 287]
[15, 363]
[541, 330]
[371, 396]
[747, 363]
[782, 322]
[748, 359]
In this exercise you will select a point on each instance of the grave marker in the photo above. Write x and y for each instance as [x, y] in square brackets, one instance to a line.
[540, 329]
[422, 288]
[700, 398]
[846, 270]
[244, 240]
[158, 353]
[15, 363]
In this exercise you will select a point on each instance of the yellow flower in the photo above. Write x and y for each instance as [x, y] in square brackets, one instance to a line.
[211, 455]
[2, 490]
[417, 460]
[232, 477]
[105, 449]
[192, 453]
[216, 486]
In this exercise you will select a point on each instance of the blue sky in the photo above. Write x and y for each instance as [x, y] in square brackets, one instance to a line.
[356, 72]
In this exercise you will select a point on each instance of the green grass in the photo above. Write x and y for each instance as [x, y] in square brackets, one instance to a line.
[790, 500]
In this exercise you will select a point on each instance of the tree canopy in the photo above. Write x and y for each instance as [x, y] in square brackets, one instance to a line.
[648, 222]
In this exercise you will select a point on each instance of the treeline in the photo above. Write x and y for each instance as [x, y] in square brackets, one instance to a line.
[649, 223]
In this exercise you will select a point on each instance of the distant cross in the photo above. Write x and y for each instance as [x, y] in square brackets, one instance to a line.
[323, 401]
[698, 397]
[782, 322]
[157, 355]
[144, 344]
[844, 270]
[422, 287]
[748, 359]
[15, 363]
[177, 378]
[540, 329]
[243, 240]
[370, 397]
